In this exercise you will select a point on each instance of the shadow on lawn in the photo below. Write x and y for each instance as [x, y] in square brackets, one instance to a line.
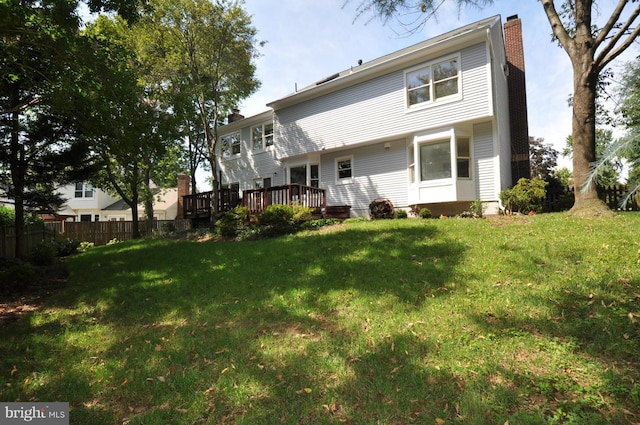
[261, 332]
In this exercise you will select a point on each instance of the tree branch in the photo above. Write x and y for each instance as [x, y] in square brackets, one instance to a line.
[615, 15]
[557, 27]
[610, 51]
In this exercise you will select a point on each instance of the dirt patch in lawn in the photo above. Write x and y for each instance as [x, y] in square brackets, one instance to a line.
[26, 287]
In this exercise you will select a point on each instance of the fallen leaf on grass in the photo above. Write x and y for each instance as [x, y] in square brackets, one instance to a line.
[161, 378]
[440, 421]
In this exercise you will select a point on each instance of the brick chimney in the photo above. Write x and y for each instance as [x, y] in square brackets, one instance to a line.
[234, 116]
[517, 99]
[183, 190]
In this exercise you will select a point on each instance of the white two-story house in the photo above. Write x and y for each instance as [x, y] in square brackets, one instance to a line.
[437, 124]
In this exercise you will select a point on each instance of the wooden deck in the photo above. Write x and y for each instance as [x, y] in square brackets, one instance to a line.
[258, 199]
[198, 206]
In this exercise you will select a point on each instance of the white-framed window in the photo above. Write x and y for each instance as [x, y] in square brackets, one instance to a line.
[314, 177]
[344, 169]
[230, 145]
[84, 190]
[412, 165]
[431, 82]
[262, 137]
[440, 156]
[435, 160]
[306, 174]
[463, 157]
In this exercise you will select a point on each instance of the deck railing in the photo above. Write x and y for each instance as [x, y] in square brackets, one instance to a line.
[198, 206]
[258, 199]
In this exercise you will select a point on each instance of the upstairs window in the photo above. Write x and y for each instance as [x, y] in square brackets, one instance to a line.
[262, 136]
[230, 145]
[432, 82]
[83, 190]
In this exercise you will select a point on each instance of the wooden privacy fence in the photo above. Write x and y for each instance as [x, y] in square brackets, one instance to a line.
[561, 199]
[34, 234]
[101, 232]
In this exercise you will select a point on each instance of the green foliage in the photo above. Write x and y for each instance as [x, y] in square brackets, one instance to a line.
[278, 219]
[526, 196]
[476, 210]
[234, 223]
[401, 214]
[66, 247]
[16, 273]
[7, 216]
[424, 213]
[44, 253]
[320, 222]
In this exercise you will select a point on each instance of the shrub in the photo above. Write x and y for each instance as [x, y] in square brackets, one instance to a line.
[44, 253]
[476, 210]
[14, 272]
[401, 214]
[67, 247]
[278, 220]
[234, 222]
[526, 196]
[424, 213]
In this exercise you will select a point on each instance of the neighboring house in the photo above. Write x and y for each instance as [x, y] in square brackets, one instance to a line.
[86, 203]
[428, 125]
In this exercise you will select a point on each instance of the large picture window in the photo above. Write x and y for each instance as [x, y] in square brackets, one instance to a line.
[432, 82]
[230, 145]
[435, 161]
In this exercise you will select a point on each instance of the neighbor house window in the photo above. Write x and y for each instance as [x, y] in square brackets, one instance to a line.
[344, 168]
[435, 161]
[431, 82]
[230, 145]
[262, 136]
[83, 190]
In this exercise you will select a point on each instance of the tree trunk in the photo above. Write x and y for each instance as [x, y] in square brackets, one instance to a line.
[135, 197]
[148, 199]
[587, 203]
[17, 176]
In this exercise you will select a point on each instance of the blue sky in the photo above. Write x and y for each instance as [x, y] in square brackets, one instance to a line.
[311, 39]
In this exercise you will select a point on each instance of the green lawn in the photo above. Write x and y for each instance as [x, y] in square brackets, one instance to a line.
[530, 320]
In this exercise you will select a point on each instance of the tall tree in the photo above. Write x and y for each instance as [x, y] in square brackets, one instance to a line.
[44, 86]
[590, 49]
[201, 56]
[134, 139]
[543, 158]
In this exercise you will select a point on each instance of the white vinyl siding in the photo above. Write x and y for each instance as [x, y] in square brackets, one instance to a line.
[485, 161]
[378, 172]
[376, 109]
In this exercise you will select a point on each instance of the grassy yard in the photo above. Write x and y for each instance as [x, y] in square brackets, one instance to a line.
[530, 320]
